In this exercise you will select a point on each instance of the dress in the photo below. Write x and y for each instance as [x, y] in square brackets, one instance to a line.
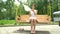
[32, 15]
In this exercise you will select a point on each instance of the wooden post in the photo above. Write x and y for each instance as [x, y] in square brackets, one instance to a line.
[59, 23]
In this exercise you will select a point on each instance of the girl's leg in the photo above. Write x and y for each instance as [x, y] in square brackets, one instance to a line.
[34, 24]
[31, 25]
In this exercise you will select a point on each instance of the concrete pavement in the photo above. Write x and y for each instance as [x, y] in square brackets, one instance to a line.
[42, 29]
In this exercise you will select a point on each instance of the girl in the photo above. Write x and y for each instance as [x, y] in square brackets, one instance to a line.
[32, 18]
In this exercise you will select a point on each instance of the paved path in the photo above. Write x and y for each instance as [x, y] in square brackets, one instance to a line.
[42, 29]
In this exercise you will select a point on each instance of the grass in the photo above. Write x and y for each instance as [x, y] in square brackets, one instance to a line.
[13, 22]
[3, 22]
[53, 23]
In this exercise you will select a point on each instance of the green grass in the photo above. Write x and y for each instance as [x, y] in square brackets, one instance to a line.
[3, 22]
[53, 23]
[13, 22]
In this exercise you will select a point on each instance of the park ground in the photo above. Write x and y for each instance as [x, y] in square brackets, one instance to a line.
[40, 29]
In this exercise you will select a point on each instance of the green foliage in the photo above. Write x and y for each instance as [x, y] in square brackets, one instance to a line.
[49, 12]
[43, 7]
[8, 5]
[40, 5]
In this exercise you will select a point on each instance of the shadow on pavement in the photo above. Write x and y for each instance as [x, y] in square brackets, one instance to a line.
[28, 32]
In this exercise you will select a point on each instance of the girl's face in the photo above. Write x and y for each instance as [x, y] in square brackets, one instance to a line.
[33, 7]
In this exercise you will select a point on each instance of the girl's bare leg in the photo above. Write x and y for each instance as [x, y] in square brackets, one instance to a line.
[31, 26]
[34, 24]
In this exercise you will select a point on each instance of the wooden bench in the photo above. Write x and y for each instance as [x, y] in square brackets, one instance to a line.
[40, 18]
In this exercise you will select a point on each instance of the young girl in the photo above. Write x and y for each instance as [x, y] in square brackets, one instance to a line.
[32, 18]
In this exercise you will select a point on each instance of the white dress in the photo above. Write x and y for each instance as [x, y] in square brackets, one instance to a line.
[32, 14]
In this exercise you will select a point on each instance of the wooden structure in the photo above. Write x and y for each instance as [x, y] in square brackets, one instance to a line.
[40, 18]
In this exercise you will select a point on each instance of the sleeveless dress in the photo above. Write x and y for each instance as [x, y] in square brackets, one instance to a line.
[32, 15]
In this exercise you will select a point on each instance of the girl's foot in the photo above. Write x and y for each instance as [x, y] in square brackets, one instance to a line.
[32, 32]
